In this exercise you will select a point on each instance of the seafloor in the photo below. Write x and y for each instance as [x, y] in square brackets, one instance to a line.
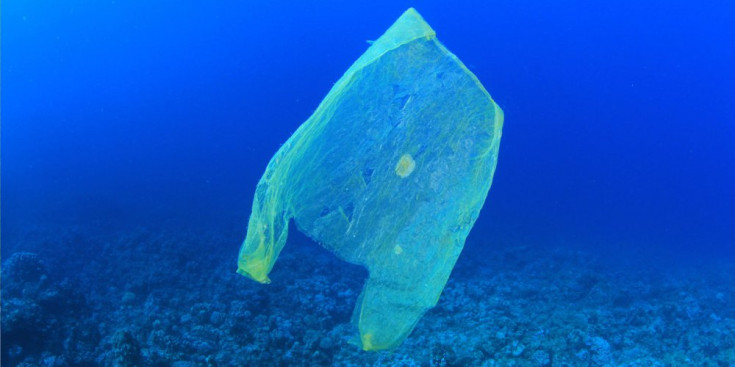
[141, 297]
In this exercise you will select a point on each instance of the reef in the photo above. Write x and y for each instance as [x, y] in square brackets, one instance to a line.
[153, 298]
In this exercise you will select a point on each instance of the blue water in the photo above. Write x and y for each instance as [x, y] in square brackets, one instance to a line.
[618, 137]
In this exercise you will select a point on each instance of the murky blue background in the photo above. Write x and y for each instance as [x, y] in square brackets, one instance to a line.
[619, 128]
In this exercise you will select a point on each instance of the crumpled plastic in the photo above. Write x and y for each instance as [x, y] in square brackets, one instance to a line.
[390, 172]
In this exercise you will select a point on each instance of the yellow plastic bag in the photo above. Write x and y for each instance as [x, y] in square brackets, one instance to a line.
[390, 172]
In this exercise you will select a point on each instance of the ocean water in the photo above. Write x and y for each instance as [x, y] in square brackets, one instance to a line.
[134, 133]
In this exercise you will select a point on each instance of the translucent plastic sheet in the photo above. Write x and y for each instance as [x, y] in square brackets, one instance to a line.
[390, 172]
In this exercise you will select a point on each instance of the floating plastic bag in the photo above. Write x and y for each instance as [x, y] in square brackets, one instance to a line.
[390, 172]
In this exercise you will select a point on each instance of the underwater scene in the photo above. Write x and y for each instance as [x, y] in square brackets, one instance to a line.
[384, 183]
